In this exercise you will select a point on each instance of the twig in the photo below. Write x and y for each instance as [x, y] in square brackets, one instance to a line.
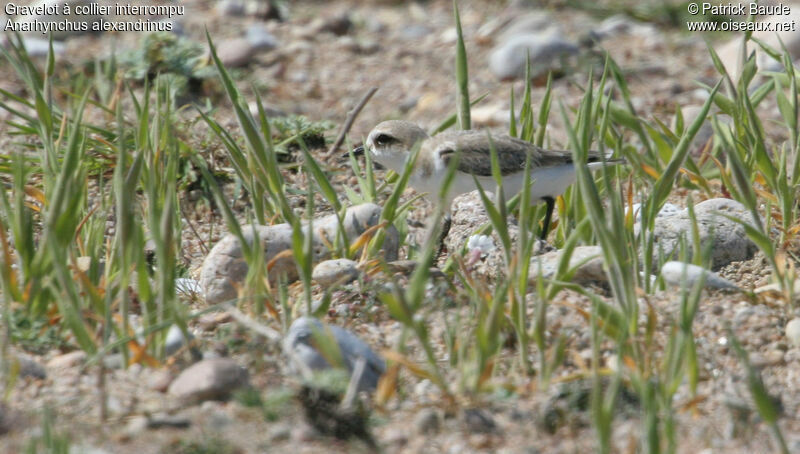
[348, 122]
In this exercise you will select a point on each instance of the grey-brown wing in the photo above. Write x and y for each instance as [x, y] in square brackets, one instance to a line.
[475, 152]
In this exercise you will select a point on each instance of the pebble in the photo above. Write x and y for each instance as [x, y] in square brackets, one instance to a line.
[280, 432]
[793, 332]
[210, 379]
[330, 272]
[591, 270]
[415, 31]
[479, 421]
[231, 8]
[28, 367]
[427, 421]
[261, 39]
[136, 425]
[303, 356]
[175, 340]
[673, 274]
[159, 380]
[508, 60]
[533, 22]
[67, 360]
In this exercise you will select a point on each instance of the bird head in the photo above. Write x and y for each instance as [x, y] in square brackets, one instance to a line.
[391, 142]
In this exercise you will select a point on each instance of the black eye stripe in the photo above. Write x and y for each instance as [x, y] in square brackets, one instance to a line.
[384, 139]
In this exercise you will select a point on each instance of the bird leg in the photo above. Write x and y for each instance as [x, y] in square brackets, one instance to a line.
[548, 214]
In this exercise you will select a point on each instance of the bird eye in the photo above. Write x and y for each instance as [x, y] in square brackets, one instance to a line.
[383, 139]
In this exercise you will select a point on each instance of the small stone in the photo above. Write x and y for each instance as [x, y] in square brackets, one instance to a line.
[280, 432]
[159, 380]
[479, 421]
[674, 273]
[209, 322]
[427, 421]
[396, 437]
[337, 271]
[587, 259]
[415, 31]
[136, 426]
[210, 379]
[508, 60]
[67, 360]
[304, 356]
[260, 38]
[114, 361]
[175, 340]
[793, 332]
[28, 367]
[339, 25]
[231, 8]
[236, 52]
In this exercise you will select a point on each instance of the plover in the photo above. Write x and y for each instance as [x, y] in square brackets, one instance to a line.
[390, 144]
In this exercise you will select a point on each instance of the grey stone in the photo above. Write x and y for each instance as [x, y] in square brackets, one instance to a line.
[280, 432]
[67, 360]
[793, 332]
[224, 269]
[531, 23]
[673, 274]
[232, 8]
[210, 379]
[330, 272]
[28, 367]
[468, 214]
[260, 38]
[415, 31]
[730, 243]
[547, 51]
[159, 380]
[304, 358]
[479, 421]
[427, 421]
[587, 259]
[175, 340]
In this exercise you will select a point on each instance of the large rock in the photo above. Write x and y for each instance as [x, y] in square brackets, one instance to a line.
[468, 214]
[210, 379]
[730, 243]
[224, 269]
